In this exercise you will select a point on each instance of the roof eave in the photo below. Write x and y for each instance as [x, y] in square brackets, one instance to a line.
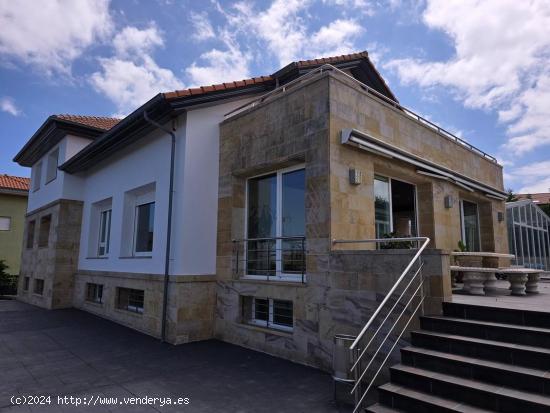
[48, 135]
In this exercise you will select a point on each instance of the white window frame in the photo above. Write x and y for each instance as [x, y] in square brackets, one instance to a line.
[8, 220]
[390, 179]
[107, 243]
[143, 200]
[270, 323]
[49, 168]
[462, 224]
[279, 275]
[36, 176]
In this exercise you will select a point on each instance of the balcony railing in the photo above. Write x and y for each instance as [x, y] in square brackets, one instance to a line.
[282, 258]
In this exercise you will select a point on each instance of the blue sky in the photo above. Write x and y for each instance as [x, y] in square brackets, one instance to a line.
[480, 69]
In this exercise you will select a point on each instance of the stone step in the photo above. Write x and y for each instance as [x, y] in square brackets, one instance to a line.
[497, 314]
[490, 330]
[515, 354]
[380, 408]
[409, 400]
[471, 392]
[521, 378]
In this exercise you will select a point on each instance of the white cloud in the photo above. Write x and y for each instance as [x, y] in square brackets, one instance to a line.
[51, 34]
[282, 30]
[501, 63]
[203, 29]
[366, 7]
[133, 41]
[7, 104]
[535, 177]
[131, 76]
[220, 65]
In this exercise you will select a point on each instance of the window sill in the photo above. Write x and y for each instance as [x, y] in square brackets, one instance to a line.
[51, 180]
[94, 303]
[127, 312]
[97, 258]
[38, 295]
[274, 331]
[134, 256]
[272, 281]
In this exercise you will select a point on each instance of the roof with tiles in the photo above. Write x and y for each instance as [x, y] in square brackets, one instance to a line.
[16, 183]
[98, 122]
[271, 78]
[541, 198]
[221, 86]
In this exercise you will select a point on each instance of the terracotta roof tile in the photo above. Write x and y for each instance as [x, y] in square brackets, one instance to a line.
[539, 198]
[261, 79]
[98, 122]
[16, 183]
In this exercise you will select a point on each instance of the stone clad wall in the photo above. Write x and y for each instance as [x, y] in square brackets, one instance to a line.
[191, 303]
[56, 263]
[343, 287]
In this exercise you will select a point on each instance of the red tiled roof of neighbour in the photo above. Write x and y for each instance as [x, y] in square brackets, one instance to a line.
[16, 183]
[99, 122]
[540, 198]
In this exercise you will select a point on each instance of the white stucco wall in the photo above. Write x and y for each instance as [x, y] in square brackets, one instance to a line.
[194, 219]
[64, 185]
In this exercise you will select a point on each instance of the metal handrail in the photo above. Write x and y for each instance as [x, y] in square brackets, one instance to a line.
[328, 67]
[357, 355]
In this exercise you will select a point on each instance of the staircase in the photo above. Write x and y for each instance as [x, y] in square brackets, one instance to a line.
[473, 359]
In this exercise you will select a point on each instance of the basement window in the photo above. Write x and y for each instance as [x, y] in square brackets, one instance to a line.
[26, 281]
[268, 312]
[94, 293]
[130, 300]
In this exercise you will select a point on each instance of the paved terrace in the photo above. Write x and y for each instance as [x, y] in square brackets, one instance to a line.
[70, 352]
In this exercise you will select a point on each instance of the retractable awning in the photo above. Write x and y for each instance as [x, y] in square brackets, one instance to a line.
[371, 144]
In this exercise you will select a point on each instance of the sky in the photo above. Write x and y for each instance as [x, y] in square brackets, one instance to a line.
[478, 68]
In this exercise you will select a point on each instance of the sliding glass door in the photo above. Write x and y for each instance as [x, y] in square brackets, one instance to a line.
[276, 224]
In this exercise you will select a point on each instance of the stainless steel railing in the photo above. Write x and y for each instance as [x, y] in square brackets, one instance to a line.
[270, 258]
[379, 96]
[362, 358]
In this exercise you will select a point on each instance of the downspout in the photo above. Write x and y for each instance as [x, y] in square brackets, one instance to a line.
[169, 223]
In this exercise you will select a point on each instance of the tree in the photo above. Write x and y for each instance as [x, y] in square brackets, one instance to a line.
[546, 209]
[511, 196]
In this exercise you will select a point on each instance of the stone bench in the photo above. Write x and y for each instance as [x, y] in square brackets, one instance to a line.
[478, 280]
[522, 280]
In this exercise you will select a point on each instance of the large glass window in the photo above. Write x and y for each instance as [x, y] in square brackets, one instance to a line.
[36, 176]
[5, 223]
[470, 225]
[145, 222]
[394, 208]
[104, 232]
[276, 224]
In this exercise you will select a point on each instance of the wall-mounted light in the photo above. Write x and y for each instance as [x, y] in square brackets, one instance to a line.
[500, 216]
[355, 176]
[448, 201]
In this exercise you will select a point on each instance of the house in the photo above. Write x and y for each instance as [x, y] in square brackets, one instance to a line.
[219, 211]
[14, 191]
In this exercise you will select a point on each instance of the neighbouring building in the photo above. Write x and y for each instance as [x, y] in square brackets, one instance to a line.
[267, 173]
[14, 191]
